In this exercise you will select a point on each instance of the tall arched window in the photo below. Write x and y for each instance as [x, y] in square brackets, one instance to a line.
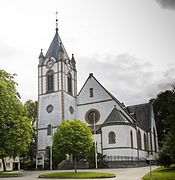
[69, 83]
[139, 140]
[145, 142]
[155, 142]
[131, 136]
[112, 138]
[151, 146]
[50, 80]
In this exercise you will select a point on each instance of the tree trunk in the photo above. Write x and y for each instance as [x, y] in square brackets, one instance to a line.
[3, 163]
[75, 160]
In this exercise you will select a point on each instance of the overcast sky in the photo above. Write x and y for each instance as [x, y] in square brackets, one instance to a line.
[129, 45]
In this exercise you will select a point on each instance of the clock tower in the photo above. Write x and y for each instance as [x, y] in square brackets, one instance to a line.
[57, 90]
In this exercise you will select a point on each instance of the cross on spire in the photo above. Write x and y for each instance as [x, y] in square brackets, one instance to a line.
[56, 13]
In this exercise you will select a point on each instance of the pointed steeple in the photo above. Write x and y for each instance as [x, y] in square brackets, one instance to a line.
[73, 62]
[54, 47]
[41, 58]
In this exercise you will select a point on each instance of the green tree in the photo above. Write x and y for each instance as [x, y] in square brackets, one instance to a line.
[28, 158]
[164, 105]
[73, 137]
[164, 110]
[15, 127]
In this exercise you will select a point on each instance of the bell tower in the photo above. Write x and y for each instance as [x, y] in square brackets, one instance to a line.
[57, 89]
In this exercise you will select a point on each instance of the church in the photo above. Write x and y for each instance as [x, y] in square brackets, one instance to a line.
[123, 134]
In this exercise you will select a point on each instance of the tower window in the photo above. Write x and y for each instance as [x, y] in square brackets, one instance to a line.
[91, 92]
[50, 80]
[69, 83]
[49, 130]
[111, 137]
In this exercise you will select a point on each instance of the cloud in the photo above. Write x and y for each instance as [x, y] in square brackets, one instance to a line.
[130, 79]
[6, 50]
[167, 4]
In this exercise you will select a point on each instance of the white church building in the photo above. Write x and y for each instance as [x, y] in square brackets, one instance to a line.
[121, 133]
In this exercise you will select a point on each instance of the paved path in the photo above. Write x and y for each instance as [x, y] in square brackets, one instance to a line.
[121, 174]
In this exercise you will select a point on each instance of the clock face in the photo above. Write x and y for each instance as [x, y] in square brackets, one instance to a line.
[50, 63]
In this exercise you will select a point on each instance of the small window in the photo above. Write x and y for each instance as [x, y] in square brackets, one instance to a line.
[112, 137]
[49, 130]
[91, 92]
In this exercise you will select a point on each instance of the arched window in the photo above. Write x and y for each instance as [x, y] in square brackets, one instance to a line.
[69, 83]
[155, 142]
[131, 136]
[145, 142]
[139, 140]
[111, 138]
[50, 81]
[151, 146]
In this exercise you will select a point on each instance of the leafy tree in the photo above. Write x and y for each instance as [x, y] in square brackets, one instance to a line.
[164, 109]
[73, 137]
[28, 158]
[15, 127]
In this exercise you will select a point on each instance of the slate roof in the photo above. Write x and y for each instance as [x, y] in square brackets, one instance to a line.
[55, 47]
[142, 114]
[41, 55]
[115, 116]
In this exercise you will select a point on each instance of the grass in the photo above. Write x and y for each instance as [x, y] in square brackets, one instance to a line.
[78, 175]
[161, 173]
[9, 174]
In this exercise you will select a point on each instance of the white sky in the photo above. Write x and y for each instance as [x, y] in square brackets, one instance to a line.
[128, 45]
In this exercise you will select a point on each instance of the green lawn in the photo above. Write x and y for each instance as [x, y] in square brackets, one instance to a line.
[161, 173]
[9, 174]
[78, 175]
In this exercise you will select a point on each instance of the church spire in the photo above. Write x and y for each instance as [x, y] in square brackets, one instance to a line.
[41, 58]
[53, 50]
[56, 20]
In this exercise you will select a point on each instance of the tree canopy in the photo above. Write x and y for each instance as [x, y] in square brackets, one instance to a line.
[28, 158]
[15, 127]
[164, 110]
[73, 137]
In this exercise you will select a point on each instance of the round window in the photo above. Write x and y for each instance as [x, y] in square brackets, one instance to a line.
[92, 116]
[49, 108]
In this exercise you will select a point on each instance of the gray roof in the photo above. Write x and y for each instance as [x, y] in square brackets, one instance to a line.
[142, 114]
[55, 47]
[115, 116]
[41, 55]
